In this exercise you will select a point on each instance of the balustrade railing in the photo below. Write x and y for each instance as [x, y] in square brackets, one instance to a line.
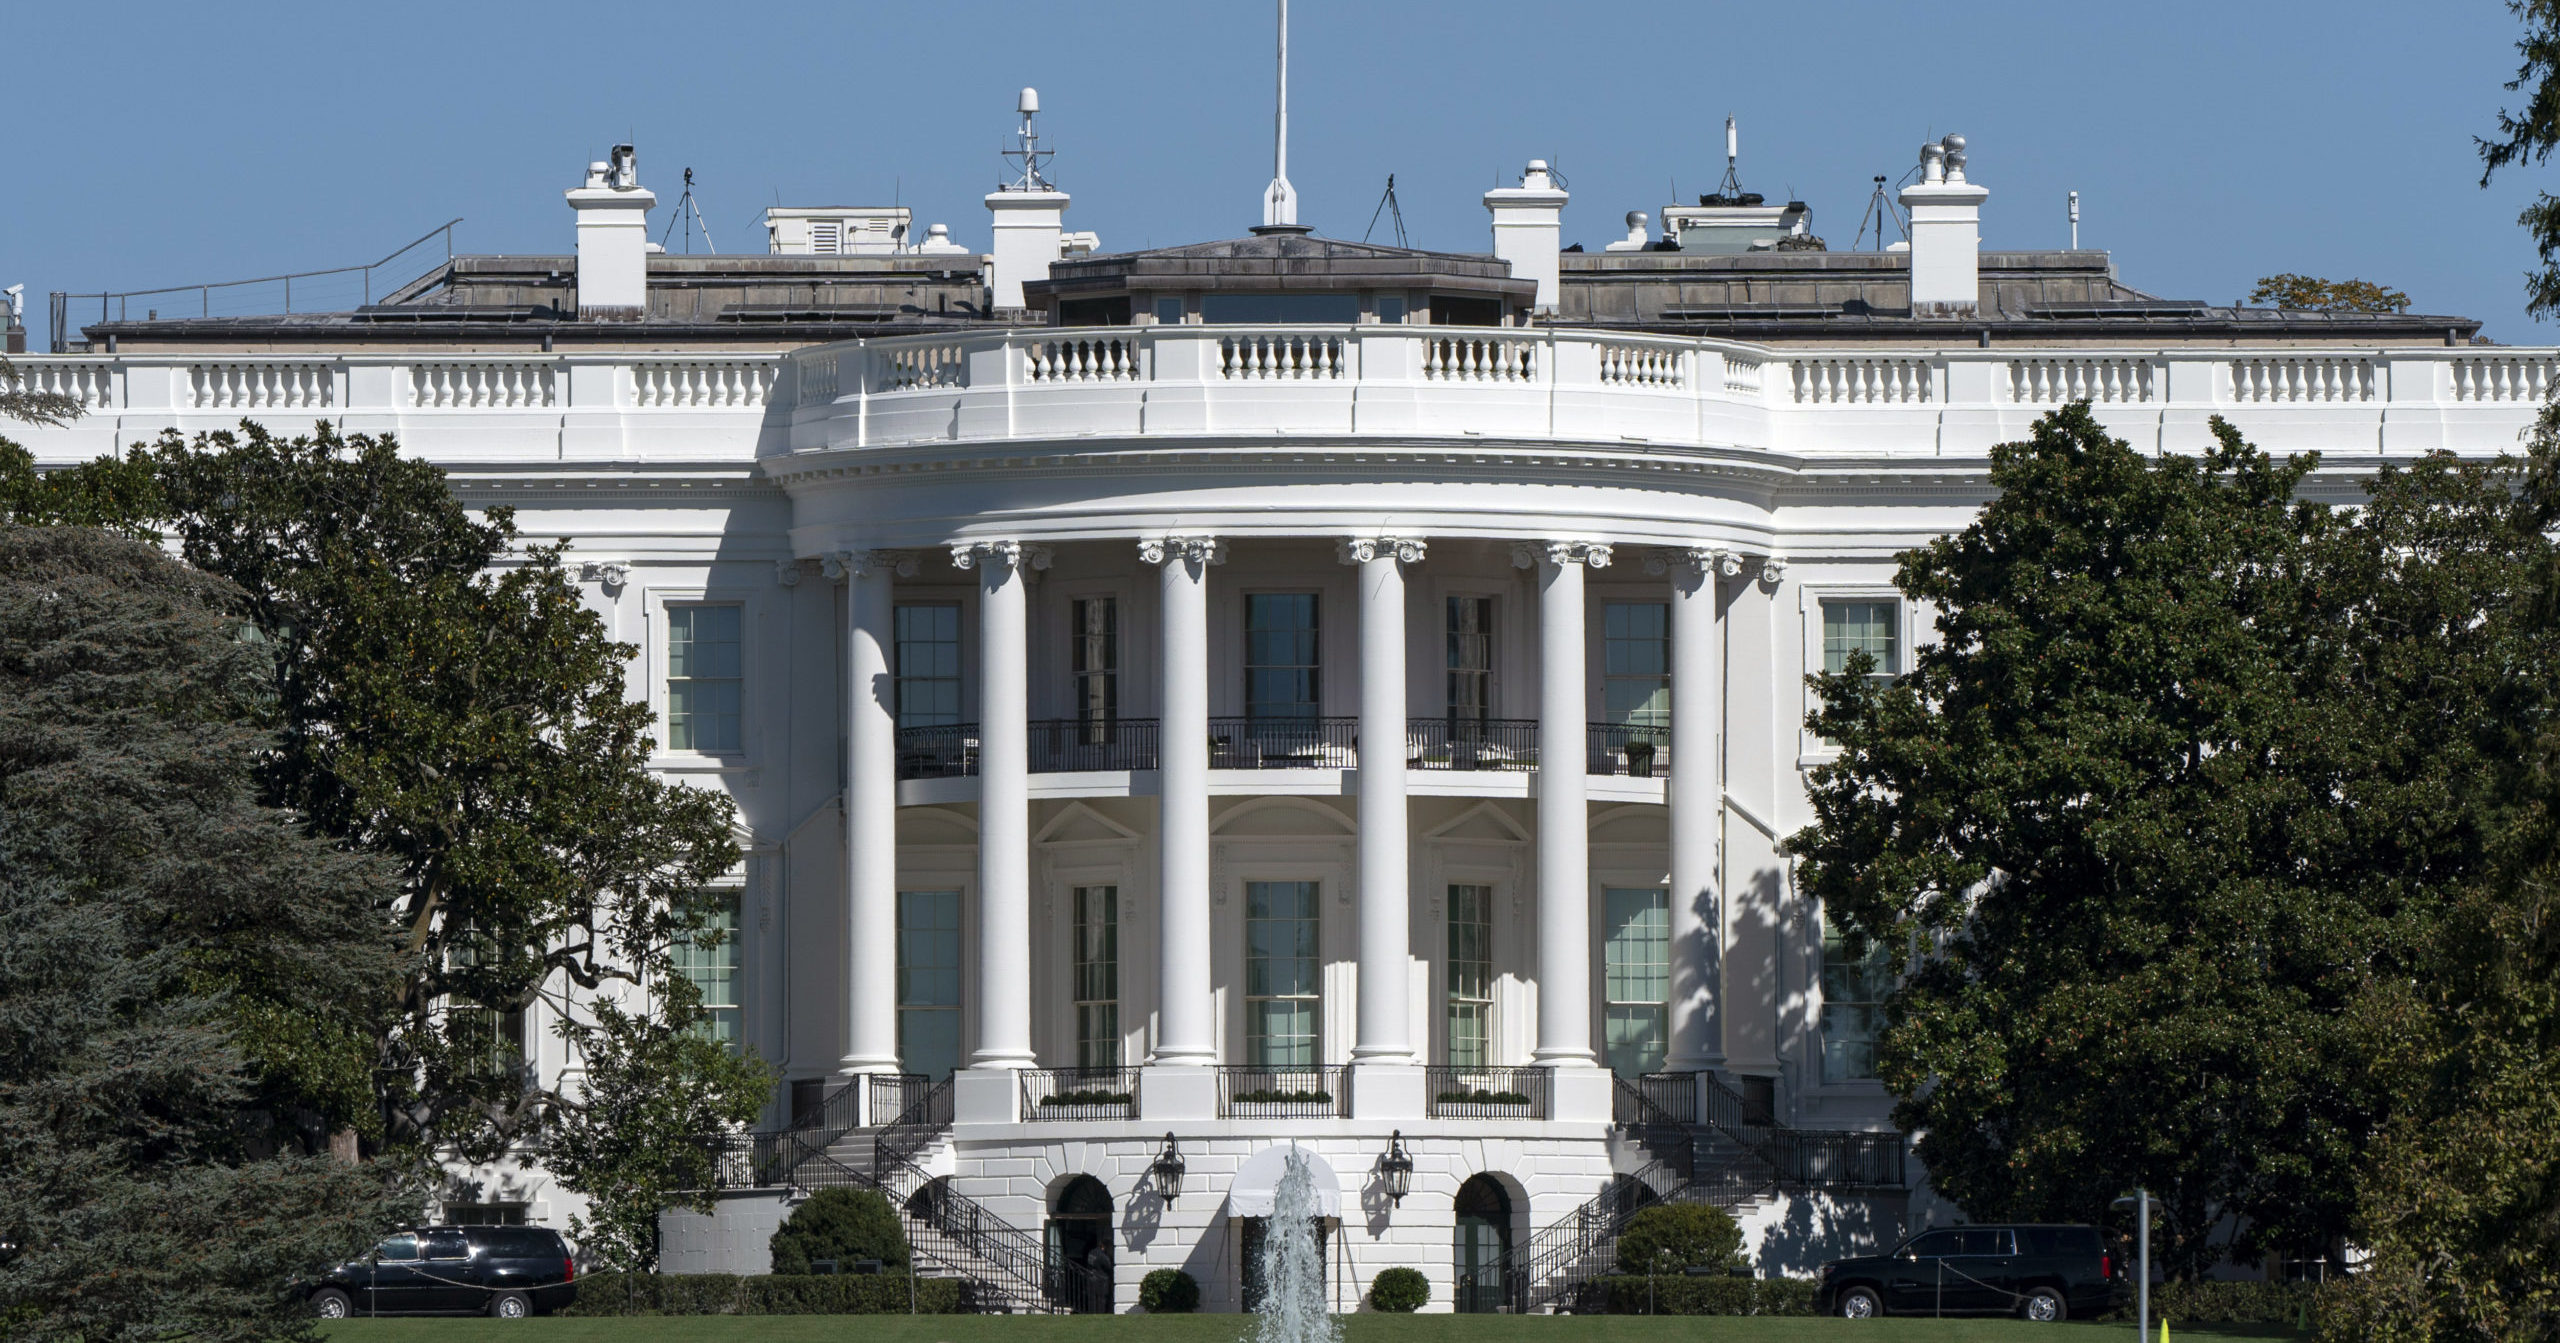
[1079, 1093]
[1863, 380]
[701, 384]
[1316, 1091]
[1472, 743]
[2504, 377]
[907, 368]
[1486, 1093]
[1284, 743]
[1643, 366]
[1639, 752]
[2302, 378]
[1082, 359]
[264, 384]
[1070, 745]
[2054, 380]
[1281, 357]
[1454, 354]
[474, 384]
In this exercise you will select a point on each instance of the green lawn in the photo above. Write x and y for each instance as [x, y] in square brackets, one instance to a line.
[1231, 1328]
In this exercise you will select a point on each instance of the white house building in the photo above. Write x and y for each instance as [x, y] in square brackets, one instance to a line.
[1191, 702]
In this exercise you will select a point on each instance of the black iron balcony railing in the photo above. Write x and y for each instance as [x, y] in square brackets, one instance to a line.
[1317, 1091]
[1079, 1093]
[947, 751]
[1072, 745]
[1486, 1093]
[1472, 743]
[1640, 752]
[1284, 743]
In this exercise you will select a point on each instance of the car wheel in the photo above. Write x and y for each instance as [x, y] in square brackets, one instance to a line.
[2046, 1306]
[329, 1304]
[1858, 1303]
[510, 1305]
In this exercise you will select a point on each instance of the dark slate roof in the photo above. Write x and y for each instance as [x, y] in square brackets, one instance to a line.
[1271, 261]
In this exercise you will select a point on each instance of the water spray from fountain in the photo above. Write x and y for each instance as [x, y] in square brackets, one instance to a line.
[1293, 1305]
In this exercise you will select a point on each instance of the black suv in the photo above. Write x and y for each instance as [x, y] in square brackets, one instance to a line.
[506, 1271]
[2040, 1272]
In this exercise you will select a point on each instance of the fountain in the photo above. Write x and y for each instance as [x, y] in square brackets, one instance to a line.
[1293, 1305]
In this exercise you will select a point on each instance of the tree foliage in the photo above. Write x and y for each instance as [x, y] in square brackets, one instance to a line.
[2304, 291]
[2527, 135]
[189, 983]
[1676, 1237]
[845, 1225]
[2173, 803]
[21, 402]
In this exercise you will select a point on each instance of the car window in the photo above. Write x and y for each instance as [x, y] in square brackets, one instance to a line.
[1982, 1241]
[400, 1248]
[509, 1243]
[445, 1245]
[1934, 1245]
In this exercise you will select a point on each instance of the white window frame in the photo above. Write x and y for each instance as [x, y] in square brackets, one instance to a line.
[1812, 750]
[656, 630]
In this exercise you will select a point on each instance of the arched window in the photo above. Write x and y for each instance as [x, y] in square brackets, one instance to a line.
[1483, 1207]
[1078, 1238]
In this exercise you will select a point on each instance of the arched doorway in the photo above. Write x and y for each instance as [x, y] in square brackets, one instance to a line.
[1484, 1243]
[1079, 1245]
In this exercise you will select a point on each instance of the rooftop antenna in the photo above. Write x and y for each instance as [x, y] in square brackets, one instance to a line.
[1280, 200]
[1732, 187]
[1387, 205]
[2075, 221]
[690, 211]
[1029, 153]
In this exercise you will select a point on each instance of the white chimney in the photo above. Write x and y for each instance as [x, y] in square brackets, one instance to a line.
[1946, 233]
[613, 239]
[1030, 217]
[1528, 231]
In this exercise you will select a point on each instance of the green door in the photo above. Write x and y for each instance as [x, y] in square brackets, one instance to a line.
[1484, 1243]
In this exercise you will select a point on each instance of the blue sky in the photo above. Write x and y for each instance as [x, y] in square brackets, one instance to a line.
[2211, 143]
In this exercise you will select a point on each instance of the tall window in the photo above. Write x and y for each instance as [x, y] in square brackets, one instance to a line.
[1096, 663]
[1636, 664]
[1853, 993]
[1470, 976]
[702, 678]
[488, 1041]
[1280, 655]
[709, 960]
[1869, 627]
[1470, 662]
[1637, 960]
[928, 674]
[1097, 976]
[1282, 979]
[929, 982]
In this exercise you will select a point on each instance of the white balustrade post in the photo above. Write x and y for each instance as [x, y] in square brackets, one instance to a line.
[1564, 842]
[1184, 1024]
[1696, 798]
[1384, 1031]
[870, 953]
[1003, 985]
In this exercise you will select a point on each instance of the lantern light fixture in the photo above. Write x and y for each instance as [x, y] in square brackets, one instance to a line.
[1396, 1168]
[1168, 1169]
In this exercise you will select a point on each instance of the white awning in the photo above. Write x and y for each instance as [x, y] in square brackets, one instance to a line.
[1258, 1182]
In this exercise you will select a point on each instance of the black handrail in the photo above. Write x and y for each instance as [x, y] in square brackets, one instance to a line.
[1566, 1253]
[1070, 745]
[1079, 1093]
[1284, 743]
[942, 751]
[1315, 1091]
[1486, 1093]
[1626, 748]
[1472, 743]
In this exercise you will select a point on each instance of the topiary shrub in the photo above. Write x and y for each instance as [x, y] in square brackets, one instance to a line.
[1168, 1291]
[1676, 1237]
[845, 1225]
[1401, 1290]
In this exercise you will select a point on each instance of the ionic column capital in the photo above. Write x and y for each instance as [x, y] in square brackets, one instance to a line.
[1021, 556]
[1691, 562]
[1562, 554]
[1362, 549]
[841, 564]
[1188, 549]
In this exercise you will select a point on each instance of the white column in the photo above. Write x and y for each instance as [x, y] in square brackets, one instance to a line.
[870, 952]
[1003, 987]
[1696, 798]
[1384, 1033]
[1185, 1031]
[1564, 840]
[1760, 718]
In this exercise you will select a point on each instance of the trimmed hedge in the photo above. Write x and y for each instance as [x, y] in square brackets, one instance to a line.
[1634, 1294]
[2285, 1303]
[1168, 1291]
[1400, 1290]
[765, 1294]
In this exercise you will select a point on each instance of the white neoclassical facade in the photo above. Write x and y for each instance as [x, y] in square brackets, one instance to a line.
[1276, 691]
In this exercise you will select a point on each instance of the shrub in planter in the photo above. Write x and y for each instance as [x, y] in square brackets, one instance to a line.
[1168, 1291]
[845, 1225]
[1676, 1237]
[1401, 1290]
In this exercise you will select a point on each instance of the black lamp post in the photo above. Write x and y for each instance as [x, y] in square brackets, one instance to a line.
[1168, 1171]
[1396, 1167]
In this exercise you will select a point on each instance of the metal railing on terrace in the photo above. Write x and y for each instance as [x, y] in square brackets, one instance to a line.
[1280, 1091]
[1079, 1093]
[333, 290]
[1486, 1093]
